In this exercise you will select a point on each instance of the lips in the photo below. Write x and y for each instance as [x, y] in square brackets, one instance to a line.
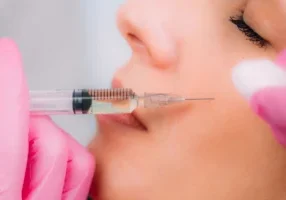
[130, 119]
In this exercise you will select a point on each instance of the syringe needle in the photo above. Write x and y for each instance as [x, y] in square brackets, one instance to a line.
[199, 99]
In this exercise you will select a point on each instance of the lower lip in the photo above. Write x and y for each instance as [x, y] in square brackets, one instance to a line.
[125, 119]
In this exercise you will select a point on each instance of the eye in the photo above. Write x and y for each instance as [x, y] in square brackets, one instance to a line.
[248, 31]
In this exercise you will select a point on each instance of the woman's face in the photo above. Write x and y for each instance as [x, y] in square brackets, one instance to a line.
[199, 149]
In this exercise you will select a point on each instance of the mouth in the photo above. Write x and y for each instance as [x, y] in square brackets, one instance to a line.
[131, 120]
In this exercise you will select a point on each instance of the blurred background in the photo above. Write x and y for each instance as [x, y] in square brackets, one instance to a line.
[66, 44]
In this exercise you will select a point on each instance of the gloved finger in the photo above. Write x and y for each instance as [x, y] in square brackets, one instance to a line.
[14, 120]
[47, 162]
[281, 60]
[80, 171]
[270, 105]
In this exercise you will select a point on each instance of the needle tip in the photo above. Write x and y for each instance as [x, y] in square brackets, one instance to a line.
[199, 99]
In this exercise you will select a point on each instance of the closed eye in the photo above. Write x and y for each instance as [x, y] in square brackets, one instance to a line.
[251, 34]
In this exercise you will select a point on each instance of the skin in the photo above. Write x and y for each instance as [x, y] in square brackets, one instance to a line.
[197, 150]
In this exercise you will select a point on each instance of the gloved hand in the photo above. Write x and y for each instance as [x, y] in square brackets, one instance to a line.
[263, 83]
[38, 160]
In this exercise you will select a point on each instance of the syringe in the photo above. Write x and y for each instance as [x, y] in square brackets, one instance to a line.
[97, 101]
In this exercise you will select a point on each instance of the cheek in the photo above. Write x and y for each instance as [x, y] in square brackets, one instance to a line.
[222, 138]
[212, 147]
[226, 124]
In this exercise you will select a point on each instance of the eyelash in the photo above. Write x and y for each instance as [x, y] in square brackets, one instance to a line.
[248, 31]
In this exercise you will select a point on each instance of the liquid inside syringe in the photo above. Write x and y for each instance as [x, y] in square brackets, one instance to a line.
[96, 101]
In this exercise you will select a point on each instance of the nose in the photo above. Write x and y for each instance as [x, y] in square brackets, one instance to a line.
[145, 29]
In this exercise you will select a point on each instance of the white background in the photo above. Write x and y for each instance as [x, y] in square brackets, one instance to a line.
[66, 44]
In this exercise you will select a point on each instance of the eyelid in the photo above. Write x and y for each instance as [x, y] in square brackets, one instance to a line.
[266, 18]
[257, 27]
[250, 33]
[250, 22]
[252, 25]
[267, 30]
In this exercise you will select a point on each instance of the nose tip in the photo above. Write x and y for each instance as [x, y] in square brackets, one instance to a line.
[146, 31]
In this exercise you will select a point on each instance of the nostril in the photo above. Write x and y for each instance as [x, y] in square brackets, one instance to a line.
[134, 39]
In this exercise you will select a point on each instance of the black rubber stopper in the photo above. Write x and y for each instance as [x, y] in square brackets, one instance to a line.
[82, 101]
[86, 101]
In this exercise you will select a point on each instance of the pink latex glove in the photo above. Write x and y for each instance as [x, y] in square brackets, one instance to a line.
[263, 83]
[38, 160]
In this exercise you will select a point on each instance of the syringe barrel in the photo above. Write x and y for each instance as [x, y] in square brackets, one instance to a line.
[80, 101]
[51, 102]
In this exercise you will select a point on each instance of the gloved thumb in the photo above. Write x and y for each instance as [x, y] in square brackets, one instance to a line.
[263, 84]
[14, 121]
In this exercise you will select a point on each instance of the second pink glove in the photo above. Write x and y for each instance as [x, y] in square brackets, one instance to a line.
[263, 83]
